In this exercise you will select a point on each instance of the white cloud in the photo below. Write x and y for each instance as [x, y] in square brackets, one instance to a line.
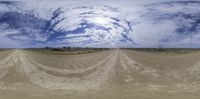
[121, 23]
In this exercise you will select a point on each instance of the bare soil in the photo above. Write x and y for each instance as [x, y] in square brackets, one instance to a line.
[113, 74]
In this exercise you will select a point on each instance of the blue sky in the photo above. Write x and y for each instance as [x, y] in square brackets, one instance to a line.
[94, 23]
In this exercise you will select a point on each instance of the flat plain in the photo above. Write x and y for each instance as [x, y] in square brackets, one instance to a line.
[104, 74]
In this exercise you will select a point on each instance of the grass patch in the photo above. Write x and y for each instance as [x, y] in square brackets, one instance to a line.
[68, 51]
[167, 50]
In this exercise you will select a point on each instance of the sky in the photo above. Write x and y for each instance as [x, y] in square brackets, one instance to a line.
[100, 23]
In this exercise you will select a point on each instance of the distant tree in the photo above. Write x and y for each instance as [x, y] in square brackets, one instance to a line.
[69, 49]
[78, 48]
[161, 48]
[47, 48]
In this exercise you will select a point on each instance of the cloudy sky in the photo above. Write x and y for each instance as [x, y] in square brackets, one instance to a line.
[100, 23]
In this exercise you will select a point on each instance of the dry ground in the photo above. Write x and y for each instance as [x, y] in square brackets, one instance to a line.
[113, 74]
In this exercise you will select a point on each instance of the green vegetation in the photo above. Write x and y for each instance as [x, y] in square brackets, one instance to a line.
[68, 50]
[167, 50]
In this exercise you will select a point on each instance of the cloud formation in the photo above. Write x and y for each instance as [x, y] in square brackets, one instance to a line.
[138, 23]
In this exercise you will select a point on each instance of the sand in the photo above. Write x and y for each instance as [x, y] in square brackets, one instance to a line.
[113, 74]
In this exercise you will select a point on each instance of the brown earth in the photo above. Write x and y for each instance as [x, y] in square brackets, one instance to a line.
[113, 74]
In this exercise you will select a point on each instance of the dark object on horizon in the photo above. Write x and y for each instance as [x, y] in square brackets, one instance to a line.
[161, 49]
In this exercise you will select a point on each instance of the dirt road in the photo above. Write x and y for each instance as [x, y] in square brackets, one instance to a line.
[115, 74]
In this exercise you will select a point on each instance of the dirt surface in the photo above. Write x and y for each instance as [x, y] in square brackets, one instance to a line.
[111, 74]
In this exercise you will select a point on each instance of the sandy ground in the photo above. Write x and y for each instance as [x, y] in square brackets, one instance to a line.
[113, 74]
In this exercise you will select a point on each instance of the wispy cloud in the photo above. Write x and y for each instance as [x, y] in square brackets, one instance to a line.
[92, 23]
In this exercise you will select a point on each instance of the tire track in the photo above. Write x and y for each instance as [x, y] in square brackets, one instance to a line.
[81, 79]
[133, 71]
[117, 64]
[7, 63]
